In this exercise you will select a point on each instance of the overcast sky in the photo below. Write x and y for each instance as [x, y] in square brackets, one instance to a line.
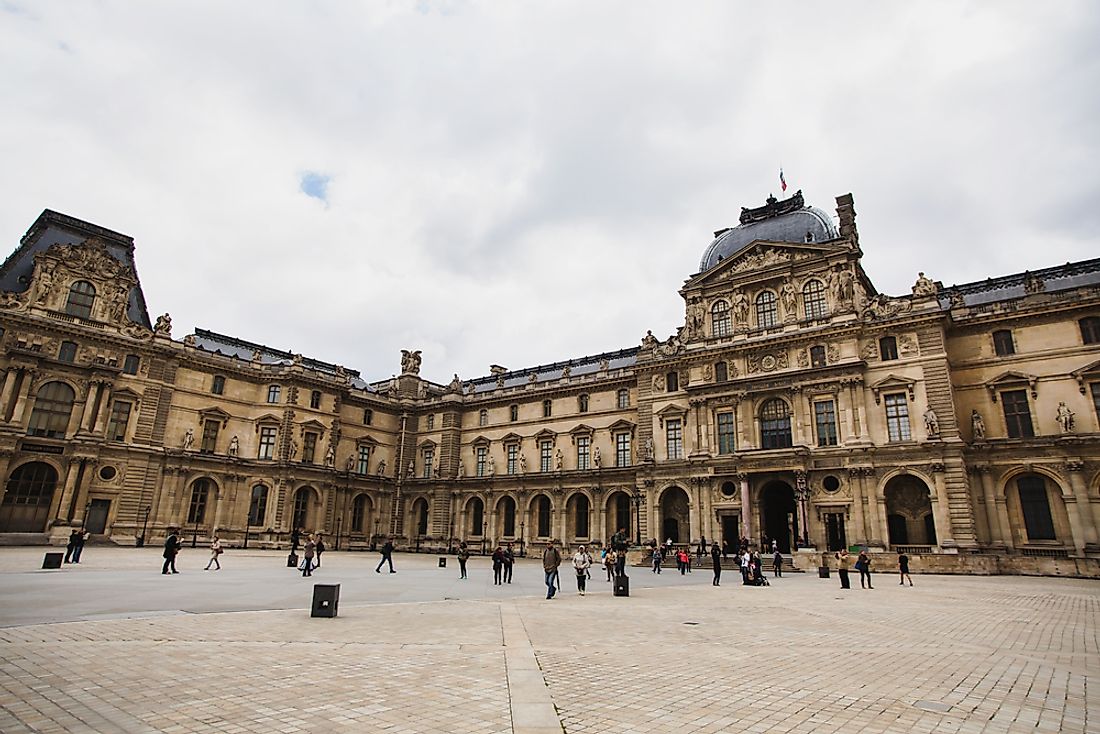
[520, 183]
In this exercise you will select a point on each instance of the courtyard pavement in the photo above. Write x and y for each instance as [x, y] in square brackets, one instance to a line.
[111, 645]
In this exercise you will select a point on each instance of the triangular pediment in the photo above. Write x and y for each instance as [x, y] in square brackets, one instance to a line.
[427, 443]
[266, 418]
[620, 426]
[672, 409]
[511, 438]
[1088, 372]
[545, 433]
[761, 255]
[312, 425]
[1012, 378]
[893, 383]
[215, 414]
[582, 429]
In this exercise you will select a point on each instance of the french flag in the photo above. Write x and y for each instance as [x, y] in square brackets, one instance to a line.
[782, 181]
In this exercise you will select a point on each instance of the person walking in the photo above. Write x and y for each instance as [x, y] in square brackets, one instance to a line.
[611, 560]
[777, 564]
[682, 560]
[716, 559]
[172, 545]
[863, 563]
[71, 547]
[581, 562]
[320, 549]
[746, 570]
[309, 550]
[387, 557]
[78, 546]
[656, 560]
[903, 570]
[509, 561]
[498, 566]
[843, 561]
[463, 556]
[551, 559]
[215, 551]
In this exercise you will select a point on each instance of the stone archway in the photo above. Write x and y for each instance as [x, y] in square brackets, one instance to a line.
[28, 498]
[619, 514]
[675, 515]
[909, 518]
[779, 514]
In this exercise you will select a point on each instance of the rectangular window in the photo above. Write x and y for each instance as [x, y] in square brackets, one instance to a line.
[1035, 506]
[546, 449]
[431, 422]
[817, 356]
[1095, 388]
[897, 417]
[887, 348]
[219, 385]
[309, 447]
[482, 453]
[513, 413]
[547, 408]
[721, 372]
[273, 393]
[727, 430]
[513, 457]
[483, 417]
[1017, 414]
[825, 420]
[1090, 330]
[674, 438]
[584, 446]
[315, 399]
[624, 398]
[1002, 343]
[429, 459]
[209, 437]
[131, 363]
[267, 443]
[672, 380]
[257, 508]
[67, 353]
[120, 418]
[622, 449]
[368, 417]
[363, 465]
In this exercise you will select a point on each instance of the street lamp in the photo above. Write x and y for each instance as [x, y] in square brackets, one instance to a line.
[522, 535]
[247, 525]
[374, 538]
[802, 492]
[636, 498]
[339, 524]
[195, 534]
[484, 529]
[144, 527]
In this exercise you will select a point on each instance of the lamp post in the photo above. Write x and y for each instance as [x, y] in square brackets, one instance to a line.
[802, 492]
[247, 525]
[484, 529]
[144, 527]
[522, 536]
[374, 538]
[339, 524]
[84, 519]
[195, 535]
[636, 497]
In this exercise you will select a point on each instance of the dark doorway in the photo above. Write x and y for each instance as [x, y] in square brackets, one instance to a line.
[671, 530]
[780, 513]
[731, 532]
[835, 537]
[675, 515]
[26, 506]
[899, 531]
[96, 520]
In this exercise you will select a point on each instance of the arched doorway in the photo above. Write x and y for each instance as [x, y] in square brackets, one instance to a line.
[420, 516]
[577, 511]
[360, 513]
[506, 514]
[542, 516]
[779, 512]
[303, 498]
[475, 518]
[675, 516]
[27, 500]
[909, 511]
[618, 515]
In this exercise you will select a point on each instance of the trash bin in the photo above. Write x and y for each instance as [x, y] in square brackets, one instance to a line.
[443, 561]
[326, 597]
[823, 572]
[292, 560]
[622, 585]
[53, 560]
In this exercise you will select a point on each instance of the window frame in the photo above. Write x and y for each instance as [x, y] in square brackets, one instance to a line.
[814, 304]
[131, 364]
[1004, 342]
[726, 432]
[622, 449]
[767, 310]
[721, 321]
[898, 426]
[274, 392]
[582, 402]
[1018, 423]
[775, 425]
[209, 442]
[547, 408]
[217, 387]
[269, 436]
[1090, 329]
[825, 427]
[119, 422]
[546, 456]
[74, 303]
[67, 352]
[622, 398]
[584, 453]
[674, 439]
[888, 348]
[315, 399]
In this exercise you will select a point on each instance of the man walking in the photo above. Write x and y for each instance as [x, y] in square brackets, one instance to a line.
[716, 559]
[509, 561]
[619, 544]
[172, 545]
[777, 564]
[387, 556]
[308, 552]
[843, 561]
[78, 544]
[551, 559]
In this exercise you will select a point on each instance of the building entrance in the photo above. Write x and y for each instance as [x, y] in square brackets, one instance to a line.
[28, 498]
[96, 521]
[780, 514]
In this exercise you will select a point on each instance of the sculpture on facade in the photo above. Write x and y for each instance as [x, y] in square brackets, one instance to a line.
[382, 467]
[410, 362]
[491, 467]
[931, 423]
[649, 341]
[461, 470]
[566, 371]
[596, 457]
[924, 286]
[1065, 418]
[349, 465]
[189, 439]
[789, 296]
[455, 385]
[330, 456]
[557, 459]
[293, 449]
[696, 316]
[740, 304]
[163, 325]
[522, 464]
[647, 450]
[410, 471]
[977, 425]
[234, 446]
[658, 383]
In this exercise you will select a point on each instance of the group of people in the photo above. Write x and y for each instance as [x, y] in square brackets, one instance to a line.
[863, 565]
[614, 563]
[75, 545]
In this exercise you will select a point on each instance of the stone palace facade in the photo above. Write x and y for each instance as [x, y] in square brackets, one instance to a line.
[796, 403]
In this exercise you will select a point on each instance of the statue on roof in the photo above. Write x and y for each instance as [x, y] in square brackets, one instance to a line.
[163, 325]
[410, 362]
[924, 286]
[455, 384]
[649, 341]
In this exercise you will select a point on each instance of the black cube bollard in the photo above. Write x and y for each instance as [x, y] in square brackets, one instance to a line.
[326, 597]
[622, 585]
[292, 560]
[53, 560]
[443, 561]
[823, 572]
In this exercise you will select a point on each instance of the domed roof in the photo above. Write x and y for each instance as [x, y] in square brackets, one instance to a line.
[789, 220]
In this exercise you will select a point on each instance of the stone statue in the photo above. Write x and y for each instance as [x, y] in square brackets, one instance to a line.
[566, 371]
[500, 380]
[491, 467]
[596, 457]
[411, 470]
[740, 303]
[842, 286]
[461, 470]
[410, 362]
[789, 297]
[1065, 418]
[293, 449]
[696, 316]
[977, 425]
[924, 286]
[605, 364]
[456, 384]
[435, 472]
[931, 424]
[649, 341]
[330, 456]
[349, 465]
[647, 450]
[382, 467]
[234, 446]
[659, 383]
[522, 464]
[189, 439]
[557, 459]
[163, 325]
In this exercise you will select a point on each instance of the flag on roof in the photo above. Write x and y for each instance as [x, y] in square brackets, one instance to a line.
[782, 181]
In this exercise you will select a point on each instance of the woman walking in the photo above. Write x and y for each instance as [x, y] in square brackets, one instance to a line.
[581, 562]
[656, 560]
[609, 563]
[498, 565]
[716, 559]
[215, 551]
[863, 563]
[309, 550]
[463, 556]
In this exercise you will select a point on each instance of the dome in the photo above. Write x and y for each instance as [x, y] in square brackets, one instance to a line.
[789, 220]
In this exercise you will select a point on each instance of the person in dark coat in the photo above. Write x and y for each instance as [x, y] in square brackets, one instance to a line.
[78, 548]
[71, 547]
[498, 566]
[509, 561]
[295, 538]
[777, 564]
[172, 545]
[319, 549]
[716, 559]
[387, 556]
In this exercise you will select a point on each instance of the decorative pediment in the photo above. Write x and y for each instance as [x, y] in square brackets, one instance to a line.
[762, 255]
[213, 414]
[1088, 372]
[672, 409]
[511, 438]
[365, 441]
[482, 441]
[125, 393]
[427, 443]
[1012, 379]
[582, 429]
[267, 419]
[621, 425]
[546, 435]
[313, 426]
[892, 383]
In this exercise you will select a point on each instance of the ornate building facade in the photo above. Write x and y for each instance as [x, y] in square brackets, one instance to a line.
[796, 403]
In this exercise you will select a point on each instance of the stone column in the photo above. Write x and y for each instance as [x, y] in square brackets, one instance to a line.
[799, 429]
[860, 404]
[8, 391]
[746, 511]
[100, 424]
[1079, 509]
[82, 491]
[743, 420]
[849, 411]
[19, 416]
[859, 524]
[601, 519]
[87, 415]
[63, 504]
[944, 531]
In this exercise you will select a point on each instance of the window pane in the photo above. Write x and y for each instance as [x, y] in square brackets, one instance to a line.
[267, 443]
[1017, 414]
[81, 298]
[1090, 329]
[219, 385]
[257, 508]
[624, 398]
[131, 364]
[1002, 343]
[813, 299]
[825, 418]
[726, 433]
[52, 408]
[721, 372]
[120, 418]
[1035, 504]
[897, 417]
[583, 447]
[273, 394]
[363, 465]
[622, 449]
[512, 463]
[545, 456]
[674, 438]
[766, 311]
[209, 437]
[775, 425]
[721, 324]
[888, 348]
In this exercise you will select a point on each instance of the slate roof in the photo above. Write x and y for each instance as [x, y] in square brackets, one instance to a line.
[1009, 287]
[229, 346]
[623, 358]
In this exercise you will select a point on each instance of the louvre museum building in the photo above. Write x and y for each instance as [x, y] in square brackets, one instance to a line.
[796, 403]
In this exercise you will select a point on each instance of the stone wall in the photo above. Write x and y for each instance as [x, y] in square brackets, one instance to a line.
[977, 564]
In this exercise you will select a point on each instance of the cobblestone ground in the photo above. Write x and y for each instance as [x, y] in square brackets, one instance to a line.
[951, 654]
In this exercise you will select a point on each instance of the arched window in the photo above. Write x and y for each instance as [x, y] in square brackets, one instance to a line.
[200, 492]
[582, 403]
[580, 516]
[420, 511]
[477, 517]
[81, 298]
[543, 508]
[775, 425]
[508, 507]
[52, 409]
[358, 513]
[767, 313]
[301, 507]
[257, 507]
[1035, 505]
[813, 299]
[483, 417]
[720, 323]
[27, 501]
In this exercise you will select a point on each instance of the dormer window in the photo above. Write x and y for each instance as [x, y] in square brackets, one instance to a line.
[81, 299]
